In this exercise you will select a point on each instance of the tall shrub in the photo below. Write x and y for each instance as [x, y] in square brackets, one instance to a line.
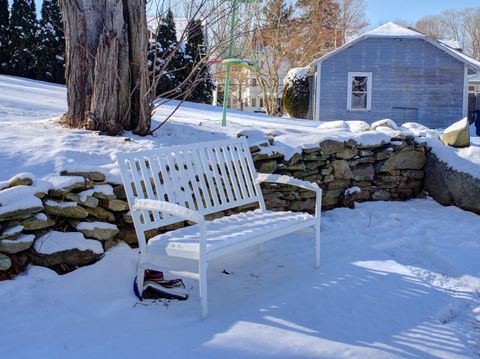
[296, 93]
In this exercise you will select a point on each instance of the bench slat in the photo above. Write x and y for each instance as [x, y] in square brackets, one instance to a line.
[224, 179]
[208, 174]
[197, 166]
[147, 178]
[245, 171]
[207, 177]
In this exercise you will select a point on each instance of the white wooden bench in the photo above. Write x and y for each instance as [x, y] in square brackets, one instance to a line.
[180, 183]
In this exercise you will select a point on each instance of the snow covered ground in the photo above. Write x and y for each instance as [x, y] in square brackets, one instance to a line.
[38, 145]
[397, 280]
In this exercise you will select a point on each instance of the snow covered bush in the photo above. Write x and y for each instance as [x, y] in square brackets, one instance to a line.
[296, 93]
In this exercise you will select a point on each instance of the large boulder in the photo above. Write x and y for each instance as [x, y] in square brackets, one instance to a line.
[20, 243]
[363, 172]
[330, 147]
[103, 191]
[18, 203]
[36, 222]
[21, 179]
[406, 159]
[65, 249]
[341, 170]
[65, 209]
[458, 134]
[101, 214]
[450, 187]
[115, 205]
[385, 123]
[64, 184]
[98, 230]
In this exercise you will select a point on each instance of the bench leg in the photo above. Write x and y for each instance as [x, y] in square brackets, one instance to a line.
[317, 245]
[140, 279]
[202, 271]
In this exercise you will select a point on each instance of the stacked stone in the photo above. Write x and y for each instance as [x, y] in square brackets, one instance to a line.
[387, 171]
[90, 213]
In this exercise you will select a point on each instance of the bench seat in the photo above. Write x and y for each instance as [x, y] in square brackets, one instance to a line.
[228, 233]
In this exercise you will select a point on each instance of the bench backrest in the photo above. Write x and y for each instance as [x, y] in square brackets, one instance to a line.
[207, 177]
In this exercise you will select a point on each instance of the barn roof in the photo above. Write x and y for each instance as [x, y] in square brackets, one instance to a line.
[392, 30]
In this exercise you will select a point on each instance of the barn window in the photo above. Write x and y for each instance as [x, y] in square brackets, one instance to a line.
[359, 91]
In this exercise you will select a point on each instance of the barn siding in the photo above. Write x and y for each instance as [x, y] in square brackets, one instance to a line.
[410, 73]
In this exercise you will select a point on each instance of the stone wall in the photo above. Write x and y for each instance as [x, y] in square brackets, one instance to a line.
[93, 214]
[391, 171]
[71, 220]
[450, 187]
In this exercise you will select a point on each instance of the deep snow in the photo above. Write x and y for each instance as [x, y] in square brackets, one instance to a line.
[397, 280]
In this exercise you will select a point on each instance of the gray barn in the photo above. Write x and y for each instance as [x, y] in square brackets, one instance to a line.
[392, 72]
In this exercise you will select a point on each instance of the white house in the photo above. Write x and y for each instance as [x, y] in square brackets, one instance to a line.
[245, 92]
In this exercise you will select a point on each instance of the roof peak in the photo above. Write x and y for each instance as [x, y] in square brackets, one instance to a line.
[391, 29]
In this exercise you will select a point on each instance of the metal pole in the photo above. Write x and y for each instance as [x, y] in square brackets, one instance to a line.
[230, 51]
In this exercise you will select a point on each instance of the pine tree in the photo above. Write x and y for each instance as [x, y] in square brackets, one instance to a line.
[51, 44]
[199, 70]
[23, 38]
[167, 59]
[4, 52]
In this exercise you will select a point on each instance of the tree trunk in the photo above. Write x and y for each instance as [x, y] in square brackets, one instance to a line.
[106, 69]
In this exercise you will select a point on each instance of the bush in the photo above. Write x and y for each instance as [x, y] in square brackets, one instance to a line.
[296, 93]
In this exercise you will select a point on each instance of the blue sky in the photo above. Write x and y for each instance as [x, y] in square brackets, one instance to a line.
[379, 11]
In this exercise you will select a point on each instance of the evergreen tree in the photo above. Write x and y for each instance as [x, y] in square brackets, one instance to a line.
[23, 35]
[167, 59]
[201, 78]
[4, 53]
[51, 44]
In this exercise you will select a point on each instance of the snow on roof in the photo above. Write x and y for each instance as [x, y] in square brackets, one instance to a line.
[390, 29]
[454, 44]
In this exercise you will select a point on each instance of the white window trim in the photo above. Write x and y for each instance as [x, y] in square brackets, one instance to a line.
[351, 75]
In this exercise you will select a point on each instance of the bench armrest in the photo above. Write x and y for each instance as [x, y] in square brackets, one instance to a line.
[170, 208]
[265, 177]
